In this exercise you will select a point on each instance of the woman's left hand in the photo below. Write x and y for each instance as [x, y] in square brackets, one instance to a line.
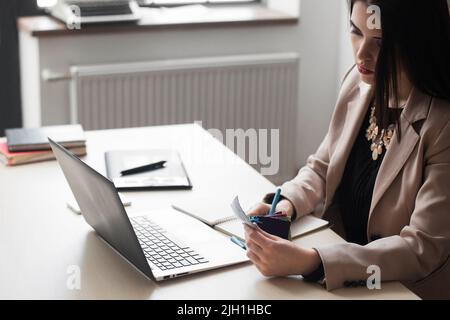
[274, 256]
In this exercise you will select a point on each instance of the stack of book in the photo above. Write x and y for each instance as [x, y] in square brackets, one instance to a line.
[23, 145]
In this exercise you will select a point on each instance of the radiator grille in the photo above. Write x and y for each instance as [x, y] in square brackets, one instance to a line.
[256, 91]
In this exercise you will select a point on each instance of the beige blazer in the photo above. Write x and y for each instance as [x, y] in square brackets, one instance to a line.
[409, 219]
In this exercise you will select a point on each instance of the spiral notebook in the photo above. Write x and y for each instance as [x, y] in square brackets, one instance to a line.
[217, 213]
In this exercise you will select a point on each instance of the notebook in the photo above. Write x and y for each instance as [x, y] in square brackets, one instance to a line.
[32, 139]
[217, 213]
[172, 176]
[17, 158]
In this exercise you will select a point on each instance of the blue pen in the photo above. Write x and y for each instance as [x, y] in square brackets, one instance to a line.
[275, 201]
[238, 242]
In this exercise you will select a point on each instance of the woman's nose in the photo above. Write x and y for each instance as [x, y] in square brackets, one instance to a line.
[364, 53]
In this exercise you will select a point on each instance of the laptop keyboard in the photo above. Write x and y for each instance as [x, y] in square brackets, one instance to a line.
[161, 249]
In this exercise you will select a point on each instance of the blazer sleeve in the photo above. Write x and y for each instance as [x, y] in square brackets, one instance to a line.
[307, 190]
[420, 248]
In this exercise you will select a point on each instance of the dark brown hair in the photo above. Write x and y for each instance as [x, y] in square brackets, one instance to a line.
[415, 39]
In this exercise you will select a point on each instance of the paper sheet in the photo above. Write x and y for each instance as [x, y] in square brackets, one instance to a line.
[240, 214]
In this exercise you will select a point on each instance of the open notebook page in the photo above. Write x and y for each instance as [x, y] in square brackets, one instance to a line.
[209, 210]
[218, 214]
[299, 228]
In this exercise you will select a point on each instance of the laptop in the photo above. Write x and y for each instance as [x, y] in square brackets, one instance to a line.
[95, 11]
[162, 245]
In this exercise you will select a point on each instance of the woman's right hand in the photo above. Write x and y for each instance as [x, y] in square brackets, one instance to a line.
[261, 208]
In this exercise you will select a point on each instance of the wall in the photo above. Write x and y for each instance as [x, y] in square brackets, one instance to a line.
[345, 52]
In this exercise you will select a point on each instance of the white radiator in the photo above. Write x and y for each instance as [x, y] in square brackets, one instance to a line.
[251, 91]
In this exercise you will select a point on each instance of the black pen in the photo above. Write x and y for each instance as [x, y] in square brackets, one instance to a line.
[147, 167]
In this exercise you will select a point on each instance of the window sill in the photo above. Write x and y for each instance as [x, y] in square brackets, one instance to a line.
[188, 17]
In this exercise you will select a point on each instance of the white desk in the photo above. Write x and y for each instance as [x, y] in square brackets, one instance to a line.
[40, 238]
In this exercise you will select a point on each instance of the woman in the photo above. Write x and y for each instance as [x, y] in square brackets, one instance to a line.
[382, 173]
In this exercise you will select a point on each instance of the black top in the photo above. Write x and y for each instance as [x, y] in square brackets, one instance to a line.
[354, 194]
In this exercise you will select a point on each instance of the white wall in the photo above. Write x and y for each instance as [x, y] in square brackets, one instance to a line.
[319, 37]
[345, 52]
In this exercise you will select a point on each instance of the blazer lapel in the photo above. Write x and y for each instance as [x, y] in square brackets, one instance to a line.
[415, 110]
[354, 117]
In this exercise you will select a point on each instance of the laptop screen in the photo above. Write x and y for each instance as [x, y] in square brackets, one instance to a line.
[101, 207]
